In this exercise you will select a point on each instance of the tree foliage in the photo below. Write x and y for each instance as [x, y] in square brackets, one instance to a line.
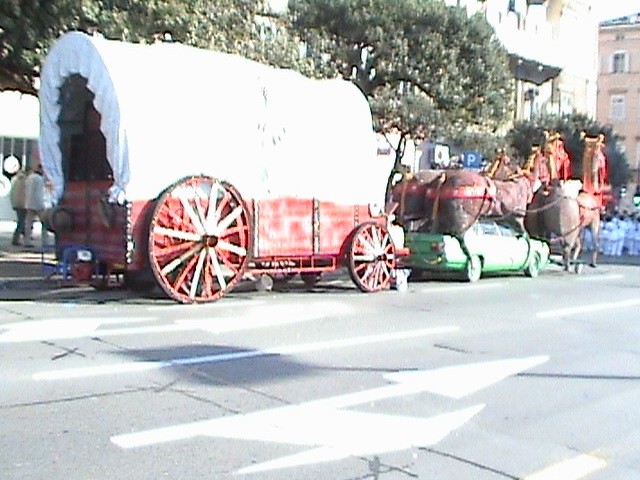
[29, 27]
[485, 143]
[429, 70]
[525, 134]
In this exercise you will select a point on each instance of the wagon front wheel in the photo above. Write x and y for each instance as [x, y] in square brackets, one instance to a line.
[371, 257]
[199, 239]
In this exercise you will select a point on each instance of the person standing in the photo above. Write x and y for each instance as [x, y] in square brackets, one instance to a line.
[587, 240]
[605, 241]
[628, 228]
[17, 195]
[34, 202]
[635, 246]
[617, 235]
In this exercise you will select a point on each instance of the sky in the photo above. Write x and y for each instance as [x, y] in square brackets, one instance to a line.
[610, 9]
[605, 9]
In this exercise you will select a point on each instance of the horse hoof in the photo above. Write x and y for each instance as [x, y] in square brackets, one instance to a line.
[593, 265]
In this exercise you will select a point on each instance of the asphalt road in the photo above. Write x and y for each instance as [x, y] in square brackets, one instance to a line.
[509, 378]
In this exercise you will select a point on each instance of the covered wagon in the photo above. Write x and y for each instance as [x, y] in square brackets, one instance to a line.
[189, 169]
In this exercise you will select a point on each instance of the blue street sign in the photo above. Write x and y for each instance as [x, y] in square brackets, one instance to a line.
[472, 160]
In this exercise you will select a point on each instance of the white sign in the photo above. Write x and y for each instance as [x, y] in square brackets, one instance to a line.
[11, 165]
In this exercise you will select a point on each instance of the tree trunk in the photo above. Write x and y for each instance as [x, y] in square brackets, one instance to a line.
[399, 150]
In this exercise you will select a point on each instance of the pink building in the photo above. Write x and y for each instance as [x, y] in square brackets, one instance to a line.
[618, 101]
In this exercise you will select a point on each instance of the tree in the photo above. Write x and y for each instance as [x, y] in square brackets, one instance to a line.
[29, 27]
[525, 134]
[428, 70]
[485, 143]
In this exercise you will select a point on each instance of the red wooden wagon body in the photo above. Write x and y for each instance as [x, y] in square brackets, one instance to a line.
[261, 174]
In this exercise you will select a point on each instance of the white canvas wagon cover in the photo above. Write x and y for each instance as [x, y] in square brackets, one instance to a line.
[169, 110]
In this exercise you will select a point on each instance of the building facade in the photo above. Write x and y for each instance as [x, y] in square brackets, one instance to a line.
[19, 130]
[619, 85]
[552, 47]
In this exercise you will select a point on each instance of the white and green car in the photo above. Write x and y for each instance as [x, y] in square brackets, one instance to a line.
[487, 246]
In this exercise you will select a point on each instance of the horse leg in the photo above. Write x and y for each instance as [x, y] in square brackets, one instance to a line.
[595, 233]
[566, 256]
[577, 249]
[596, 246]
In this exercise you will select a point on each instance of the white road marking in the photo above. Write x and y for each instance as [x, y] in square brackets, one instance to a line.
[596, 307]
[227, 304]
[465, 287]
[270, 315]
[597, 278]
[263, 317]
[335, 433]
[58, 328]
[461, 380]
[344, 434]
[571, 469]
[129, 367]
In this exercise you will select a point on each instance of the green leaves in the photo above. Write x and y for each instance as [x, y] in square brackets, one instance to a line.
[29, 27]
[428, 69]
[26, 29]
[525, 134]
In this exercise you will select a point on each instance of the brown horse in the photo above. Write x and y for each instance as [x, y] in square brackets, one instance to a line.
[559, 216]
[450, 201]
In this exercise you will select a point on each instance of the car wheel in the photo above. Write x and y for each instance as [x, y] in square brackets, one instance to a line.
[533, 269]
[474, 269]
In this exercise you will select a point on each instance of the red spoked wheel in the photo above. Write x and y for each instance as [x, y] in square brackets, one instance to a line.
[371, 257]
[199, 239]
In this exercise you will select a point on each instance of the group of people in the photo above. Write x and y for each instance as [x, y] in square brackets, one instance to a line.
[28, 200]
[619, 235]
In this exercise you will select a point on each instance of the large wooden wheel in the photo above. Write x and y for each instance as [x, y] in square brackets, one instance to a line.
[199, 239]
[371, 257]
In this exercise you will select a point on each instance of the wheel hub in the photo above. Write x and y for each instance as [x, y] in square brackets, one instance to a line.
[210, 241]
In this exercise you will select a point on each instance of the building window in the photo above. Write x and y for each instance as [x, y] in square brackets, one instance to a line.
[567, 104]
[617, 107]
[620, 62]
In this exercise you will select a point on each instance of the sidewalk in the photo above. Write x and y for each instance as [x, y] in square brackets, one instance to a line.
[25, 258]
[21, 268]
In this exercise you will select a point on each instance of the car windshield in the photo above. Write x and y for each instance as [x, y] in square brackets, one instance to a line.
[502, 228]
[489, 228]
